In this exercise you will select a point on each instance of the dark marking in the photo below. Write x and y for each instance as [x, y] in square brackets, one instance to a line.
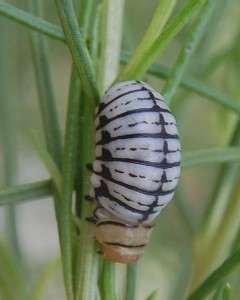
[160, 165]
[106, 172]
[90, 167]
[126, 103]
[165, 148]
[103, 191]
[125, 245]
[103, 120]
[137, 123]
[88, 198]
[102, 105]
[91, 220]
[106, 155]
[132, 175]
[100, 252]
[116, 128]
[106, 137]
[118, 171]
[164, 178]
[115, 223]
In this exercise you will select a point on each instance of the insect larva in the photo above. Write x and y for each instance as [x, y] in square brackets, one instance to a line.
[136, 169]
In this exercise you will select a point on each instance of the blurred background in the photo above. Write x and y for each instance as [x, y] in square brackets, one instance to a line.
[202, 124]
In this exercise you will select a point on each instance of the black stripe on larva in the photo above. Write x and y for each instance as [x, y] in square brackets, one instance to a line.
[104, 192]
[103, 120]
[126, 245]
[103, 105]
[106, 137]
[126, 225]
[106, 174]
[115, 223]
[139, 203]
[137, 123]
[118, 171]
[107, 157]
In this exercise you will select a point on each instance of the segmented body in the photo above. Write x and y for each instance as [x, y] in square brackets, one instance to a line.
[136, 169]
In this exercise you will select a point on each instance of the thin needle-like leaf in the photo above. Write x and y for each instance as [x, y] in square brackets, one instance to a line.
[31, 21]
[137, 68]
[46, 95]
[206, 156]
[78, 50]
[25, 192]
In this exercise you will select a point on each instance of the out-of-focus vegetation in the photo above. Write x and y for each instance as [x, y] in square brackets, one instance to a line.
[195, 62]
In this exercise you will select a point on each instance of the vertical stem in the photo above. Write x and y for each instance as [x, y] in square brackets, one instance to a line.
[47, 101]
[158, 22]
[130, 291]
[8, 129]
[107, 281]
[112, 15]
[135, 69]
[78, 50]
[87, 257]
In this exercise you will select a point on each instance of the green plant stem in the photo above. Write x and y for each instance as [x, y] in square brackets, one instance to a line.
[158, 21]
[107, 281]
[84, 16]
[47, 100]
[48, 161]
[69, 172]
[8, 133]
[64, 183]
[188, 51]
[78, 50]
[25, 192]
[87, 257]
[111, 36]
[85, 254]
[31, 21]
[137, 68]
[94, 46]
[223, 292]
[216, 277]
[112, 14]
[206, 156]
[130, 290]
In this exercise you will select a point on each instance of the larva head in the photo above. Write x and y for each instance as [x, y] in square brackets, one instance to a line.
[121, 242]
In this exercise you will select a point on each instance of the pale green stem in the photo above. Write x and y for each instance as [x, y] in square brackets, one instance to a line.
[111, 36]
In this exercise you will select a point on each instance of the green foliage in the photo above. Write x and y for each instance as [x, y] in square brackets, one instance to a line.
[183, 48]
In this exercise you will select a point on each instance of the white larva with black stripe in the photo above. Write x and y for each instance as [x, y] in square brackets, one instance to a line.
[136, 169]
